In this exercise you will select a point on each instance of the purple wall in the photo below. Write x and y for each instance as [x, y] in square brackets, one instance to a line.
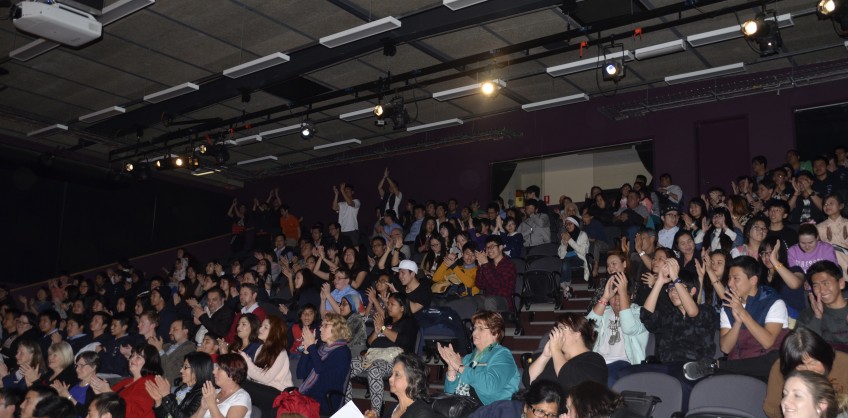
[463, 170]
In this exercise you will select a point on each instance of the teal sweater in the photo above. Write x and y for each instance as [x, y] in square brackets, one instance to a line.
[633, 332]
[495, 377]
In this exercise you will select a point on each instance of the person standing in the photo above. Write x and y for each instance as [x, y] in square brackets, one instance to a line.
[348, 210]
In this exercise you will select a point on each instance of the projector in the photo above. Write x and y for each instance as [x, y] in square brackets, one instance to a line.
[56, 22]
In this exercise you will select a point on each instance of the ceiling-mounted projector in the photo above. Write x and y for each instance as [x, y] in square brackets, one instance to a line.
[56, 22]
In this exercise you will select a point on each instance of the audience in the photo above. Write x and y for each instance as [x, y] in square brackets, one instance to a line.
[741, 268]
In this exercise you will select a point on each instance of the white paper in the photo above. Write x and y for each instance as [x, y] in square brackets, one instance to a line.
[349, 410]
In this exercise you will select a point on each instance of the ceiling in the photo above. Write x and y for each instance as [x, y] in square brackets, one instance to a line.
[174, 42]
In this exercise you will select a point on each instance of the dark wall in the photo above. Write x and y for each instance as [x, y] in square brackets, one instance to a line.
[463, 170]
[64, 217]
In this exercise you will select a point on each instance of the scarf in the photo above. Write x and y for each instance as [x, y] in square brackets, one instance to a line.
[323, 352]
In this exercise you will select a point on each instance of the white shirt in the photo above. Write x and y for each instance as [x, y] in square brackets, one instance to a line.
[347, 215]
[776, 314]
[666, 237]
[238, 398]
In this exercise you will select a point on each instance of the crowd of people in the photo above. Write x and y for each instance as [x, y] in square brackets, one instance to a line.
[313, 308]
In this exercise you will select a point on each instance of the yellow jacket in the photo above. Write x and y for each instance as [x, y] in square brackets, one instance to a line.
[466, 276]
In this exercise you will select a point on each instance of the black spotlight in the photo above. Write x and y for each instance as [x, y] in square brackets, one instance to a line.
[765, 33]
[129, 167]
[221, 154]
[140, 170]
[394, 111]
[614, 70]
[837, 11]
[307, 130]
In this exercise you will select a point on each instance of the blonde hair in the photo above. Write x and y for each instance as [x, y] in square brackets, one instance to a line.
[822, 390]
[65, 352]
[338, 325]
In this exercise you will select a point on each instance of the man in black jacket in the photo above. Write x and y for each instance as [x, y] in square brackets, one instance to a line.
[217, 317]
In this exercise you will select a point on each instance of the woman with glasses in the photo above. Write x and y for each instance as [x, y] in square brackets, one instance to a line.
[145, 364]
[81, 394]
[544, 399]
[568, 357]
[755, 234]
[434, 256]
[489, 372]
[185, 401]
[325, 365]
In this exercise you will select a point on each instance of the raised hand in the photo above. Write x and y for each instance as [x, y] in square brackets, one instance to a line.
[308, 337]
[99, 385]
[62, 388]
[816, 303]
[649, 279]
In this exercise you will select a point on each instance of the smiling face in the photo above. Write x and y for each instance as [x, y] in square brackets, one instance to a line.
[136, 364]
[327, 332]
[798, 401]
[146, 327]
[807, 243]
[84, 370]
[758, 232]
[307, 317]
[686, 244]
[28, 405]
[741, 284]
[187, 373]
[828, 288]
[615, 264]
[208, 346]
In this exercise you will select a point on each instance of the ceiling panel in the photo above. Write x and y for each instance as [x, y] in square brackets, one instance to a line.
[464, 42]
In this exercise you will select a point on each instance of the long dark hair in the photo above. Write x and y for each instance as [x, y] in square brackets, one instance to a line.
[593, 399]
[543, 391]
[152, 361]
[404, 303]
[274, 344]
[253, 320]
[201, 364]
[803, 342]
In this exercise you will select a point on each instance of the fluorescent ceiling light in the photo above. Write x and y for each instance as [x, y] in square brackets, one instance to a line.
[102, 114]
[660, 49]
[459, 4]
[463, 91]
[732, 32]
[256, 160]
[172, 92]
[122, 8]
[357, 115]
[560, 101]
[435, 125]
[281, 131]
[336, 144]
[33, 49]
[587, 64]
[52, 129]
[244, 140]
[258, 64]
[360, 32]
[204, 172]
[708, 73]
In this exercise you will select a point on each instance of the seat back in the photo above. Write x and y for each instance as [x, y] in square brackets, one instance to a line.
[661, 385]
[541, 287]
[728, 395]
[549, 249]
[466, 307]
[546, 263]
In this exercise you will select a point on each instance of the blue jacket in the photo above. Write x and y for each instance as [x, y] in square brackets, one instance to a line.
[494, 378]
[332, 372]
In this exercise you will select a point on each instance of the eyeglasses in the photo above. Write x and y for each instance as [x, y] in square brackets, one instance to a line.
[541, 413]
[81, 365]
[18, 321]
[185, 367]
[480, 328]
[670, 288]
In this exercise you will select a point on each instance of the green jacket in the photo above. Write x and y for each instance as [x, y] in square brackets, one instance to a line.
[494, 378]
